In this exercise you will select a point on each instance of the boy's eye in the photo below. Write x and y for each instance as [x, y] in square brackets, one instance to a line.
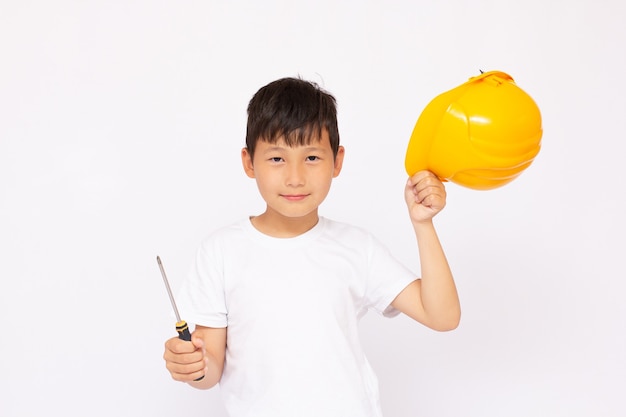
[276, 159]
[312, 158]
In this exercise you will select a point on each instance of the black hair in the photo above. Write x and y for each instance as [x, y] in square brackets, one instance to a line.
[294, 110]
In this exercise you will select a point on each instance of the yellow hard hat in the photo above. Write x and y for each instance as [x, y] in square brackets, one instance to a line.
[481, 134]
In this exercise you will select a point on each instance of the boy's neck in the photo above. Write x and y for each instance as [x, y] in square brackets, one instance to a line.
[275, 225]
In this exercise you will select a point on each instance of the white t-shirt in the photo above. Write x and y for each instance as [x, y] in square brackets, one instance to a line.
[292, 307]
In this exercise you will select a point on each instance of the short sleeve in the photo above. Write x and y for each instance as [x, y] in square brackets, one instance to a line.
[387, 277]
[201, 300]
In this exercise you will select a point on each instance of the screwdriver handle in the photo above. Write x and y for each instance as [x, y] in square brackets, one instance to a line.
[183, 334]
[183, 331]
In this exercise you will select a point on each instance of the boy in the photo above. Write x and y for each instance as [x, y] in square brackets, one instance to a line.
[276, 298]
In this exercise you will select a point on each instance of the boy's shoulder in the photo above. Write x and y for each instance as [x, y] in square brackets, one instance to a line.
[343, 228]
[229, 229]
[348, 235]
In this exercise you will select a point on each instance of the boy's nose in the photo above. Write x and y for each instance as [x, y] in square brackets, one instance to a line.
[295, 175]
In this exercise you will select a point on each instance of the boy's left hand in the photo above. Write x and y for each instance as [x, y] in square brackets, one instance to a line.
[425, 196]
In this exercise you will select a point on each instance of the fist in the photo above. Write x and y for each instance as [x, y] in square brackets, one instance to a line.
[425, 196]
[186, 361]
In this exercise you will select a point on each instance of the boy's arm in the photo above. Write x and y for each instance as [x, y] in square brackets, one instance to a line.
[203, 356]
[433, 299]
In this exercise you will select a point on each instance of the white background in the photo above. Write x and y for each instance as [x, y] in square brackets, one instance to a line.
[121, 124]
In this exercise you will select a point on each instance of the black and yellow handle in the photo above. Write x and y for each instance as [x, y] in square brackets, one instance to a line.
[183, 333]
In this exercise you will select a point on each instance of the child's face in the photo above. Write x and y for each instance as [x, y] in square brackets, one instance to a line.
[293, 181]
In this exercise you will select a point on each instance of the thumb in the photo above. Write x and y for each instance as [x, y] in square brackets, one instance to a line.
[197, 342]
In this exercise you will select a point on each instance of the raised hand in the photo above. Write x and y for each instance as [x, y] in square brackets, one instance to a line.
[425, 196]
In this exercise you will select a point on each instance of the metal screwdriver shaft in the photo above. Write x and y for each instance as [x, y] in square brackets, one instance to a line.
[181, 325]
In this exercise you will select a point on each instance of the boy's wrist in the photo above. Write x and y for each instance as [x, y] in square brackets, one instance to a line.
[424, 227]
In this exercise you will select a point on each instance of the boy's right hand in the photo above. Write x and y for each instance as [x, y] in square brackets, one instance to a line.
[186, 361]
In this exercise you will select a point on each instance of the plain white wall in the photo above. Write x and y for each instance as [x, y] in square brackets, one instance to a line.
[120, 129]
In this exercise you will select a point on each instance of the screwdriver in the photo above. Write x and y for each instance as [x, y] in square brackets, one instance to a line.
[181, 325]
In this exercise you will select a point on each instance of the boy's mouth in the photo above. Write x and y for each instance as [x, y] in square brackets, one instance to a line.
[294, 197]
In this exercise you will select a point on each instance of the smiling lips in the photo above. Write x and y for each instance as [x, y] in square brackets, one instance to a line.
[294, 197]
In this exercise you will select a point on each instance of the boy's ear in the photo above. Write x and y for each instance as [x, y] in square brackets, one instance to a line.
[338, 161]
[246, 161]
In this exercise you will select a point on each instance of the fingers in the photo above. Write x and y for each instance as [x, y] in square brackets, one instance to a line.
[425, 196]
[186, 361]
[426, 189]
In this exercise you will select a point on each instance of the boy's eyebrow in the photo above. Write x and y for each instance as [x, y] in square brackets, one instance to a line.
[283, 148]
[274, 149]
[315, 149]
